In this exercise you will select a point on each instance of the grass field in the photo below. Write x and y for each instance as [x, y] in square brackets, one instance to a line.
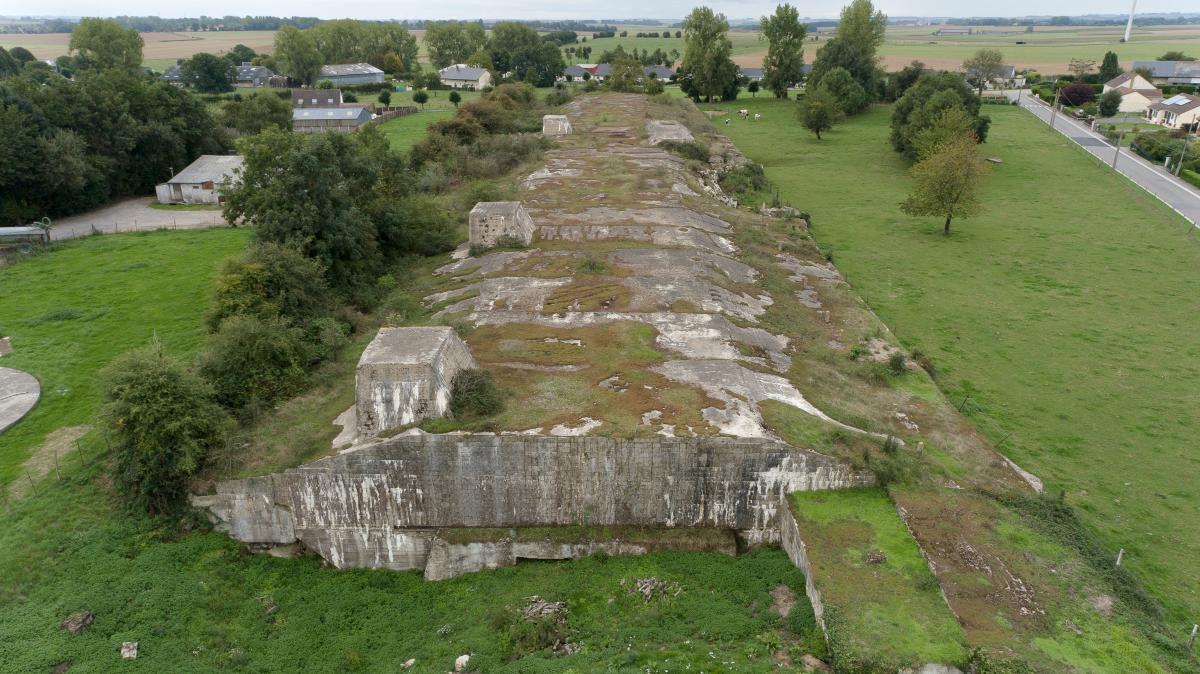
[161, 50]
[71, 311]
[1058, 318]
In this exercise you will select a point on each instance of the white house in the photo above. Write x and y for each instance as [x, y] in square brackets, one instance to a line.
[462, 76]
[1181, 111]
[1137, 93]
[200, 182]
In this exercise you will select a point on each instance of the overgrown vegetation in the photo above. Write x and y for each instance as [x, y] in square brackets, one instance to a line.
[473, 393]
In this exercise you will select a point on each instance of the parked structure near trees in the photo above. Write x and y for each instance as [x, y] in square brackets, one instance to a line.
[200, 182]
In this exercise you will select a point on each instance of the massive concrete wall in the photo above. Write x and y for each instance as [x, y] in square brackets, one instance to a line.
[380, 505]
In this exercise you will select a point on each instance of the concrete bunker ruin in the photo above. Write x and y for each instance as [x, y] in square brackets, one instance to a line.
[500, 222]
[556, 125]
[404, 375]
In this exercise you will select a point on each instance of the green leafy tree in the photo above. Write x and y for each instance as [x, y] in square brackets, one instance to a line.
[1110, 103]
[899, 81]
[297, 54]
[949, 124]
[163, 425]
[253, 113]
[420, 97]
[22, 55]
[452, 42]
[102, 44]
[845, 90]
[455, 98]
[209, 74]
[923, 104]
[985, 66]
[752, 87]
[385, 97]
[819, 111]
[9, 66]
[625, 75]
[1110, 67]
[947, 182]
[1175, 55]
[241, 54]
[518, 49]
[253, 362]
[839, 53]
[783, 65]
[707, 70]
[270, 281]
[862, 26]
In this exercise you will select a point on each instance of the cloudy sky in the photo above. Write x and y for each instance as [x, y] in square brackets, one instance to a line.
[578, 9]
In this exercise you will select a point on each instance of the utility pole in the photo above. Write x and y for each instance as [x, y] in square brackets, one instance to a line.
[1054, 108]
[1114, 165]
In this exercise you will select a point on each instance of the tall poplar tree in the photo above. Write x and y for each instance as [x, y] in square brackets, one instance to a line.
[784, 63]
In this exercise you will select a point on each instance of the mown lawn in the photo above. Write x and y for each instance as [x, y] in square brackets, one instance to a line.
[1063, 320]
[72, 310]
[404, 132]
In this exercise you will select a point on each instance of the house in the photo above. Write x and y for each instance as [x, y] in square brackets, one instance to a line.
[250, 75]
[174, 75]
[201, 181]
[752, 74]
[600, 72]
[1181, 111]
[316, 98]
[1009, 78]
[335, 120]
[351, 73]
[574, 73]
[462, 76]
[1170, 72]
[658, 72]
[1137, 93]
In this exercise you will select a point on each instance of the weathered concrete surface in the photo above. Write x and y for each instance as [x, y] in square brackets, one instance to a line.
[492, 221]
[19, 392]
[555, 125]
[797, 551]
[659, 130]
[374, 506]
[405, 374]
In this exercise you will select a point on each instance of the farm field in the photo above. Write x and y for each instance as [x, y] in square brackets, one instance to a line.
[161, 50]
[1054, 319]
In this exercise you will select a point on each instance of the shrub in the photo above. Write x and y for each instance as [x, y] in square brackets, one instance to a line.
[745, 179]
[270, 281]
[253, 362]
[163, 425]
[349, 97]
[560, 96]
[1110, 103]
[1077, 94]
[385, 97]
[474, 394]
[897, 363]
[689, 150]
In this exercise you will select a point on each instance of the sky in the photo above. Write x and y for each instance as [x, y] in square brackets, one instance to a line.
[575, 9]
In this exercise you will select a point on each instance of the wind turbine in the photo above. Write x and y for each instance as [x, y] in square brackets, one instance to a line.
[1129, 25]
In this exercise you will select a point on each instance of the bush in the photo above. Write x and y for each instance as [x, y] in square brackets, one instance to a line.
[270, 281]
[560, 96]
[1077, 94]
[744, 180]
[254, 362]
[163, 426]
[385, 97]
[690, 150]
[349, 97]
[474, 394]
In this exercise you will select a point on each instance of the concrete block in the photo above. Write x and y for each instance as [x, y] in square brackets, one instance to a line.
[405, 375]
[556, 125]
[492, 221]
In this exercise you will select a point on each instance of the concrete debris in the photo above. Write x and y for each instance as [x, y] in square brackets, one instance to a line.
[460, 663]
[555, 125]
[586, 425]
[548, 175]
[129, 650]
[876, 557]
[653, 588]
[805, 270]
[78, 621]
[811, 663]
[5, 346]
[509, 293]
[907, 422]
[683, 264]
[660, 130]
[540, 609]
[348, 422]
[651, 417]
[1034, 482]
[613, 384]
[408, 663]
[491, 263]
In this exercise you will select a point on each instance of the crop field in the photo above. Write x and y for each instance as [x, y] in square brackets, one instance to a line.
[161, 50]
[1054, 320]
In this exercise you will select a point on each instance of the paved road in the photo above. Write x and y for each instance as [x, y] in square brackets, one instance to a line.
[132, 215]
[1172, 191]
[19, 392]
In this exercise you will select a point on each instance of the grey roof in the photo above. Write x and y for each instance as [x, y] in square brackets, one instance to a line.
[661, 72]
[209, 168]
[251, 73]
[172, 73]
[752, 73]
[574, 71]
[1178, 103]
[325, 98]
[603, 70]
[306, 114]
[461, 72]
[344, 69]
[1008, 72]
[1160, 68]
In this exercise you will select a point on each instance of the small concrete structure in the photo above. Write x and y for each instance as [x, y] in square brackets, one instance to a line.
[660, 130]
[201, 181]
[556, 125]
[19, 392]
[492, 221]
[404, 376]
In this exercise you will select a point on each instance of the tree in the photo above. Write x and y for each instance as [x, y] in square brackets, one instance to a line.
[985, 66]
[455, 98]
[385, 97]
[270, 281]
[899, 81]
[209, 74]
[819, 111]
[949, 124]
[420, 97]
[923, 104]
[862, 26]
[1109, 67]
[845, 90]
[104, 45]
[783, 64]
[256, 112]
[393, 64]
[1110, 103]
[452, 42]
[253, 362]
[947, 183]
[1081, 67]
[22, 55]
[517, 49]
[1078, 93]
[240, 54]
[753, 88]
[1175, 55]
[297, 55]
[163, 425]
[839, 53]
[707, 69]
[625, 75]
[9, 66]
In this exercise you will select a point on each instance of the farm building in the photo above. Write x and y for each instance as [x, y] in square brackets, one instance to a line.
[316, 98]
[351, 73]
[250, 75]
[461, 76]
[752, 74]
[200, 182]
[337, 120]
[1170, 72]
[173, 74]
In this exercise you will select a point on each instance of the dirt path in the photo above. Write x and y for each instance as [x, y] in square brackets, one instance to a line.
[133, 215]
[45, 458]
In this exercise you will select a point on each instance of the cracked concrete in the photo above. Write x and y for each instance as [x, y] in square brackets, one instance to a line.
[19, 393]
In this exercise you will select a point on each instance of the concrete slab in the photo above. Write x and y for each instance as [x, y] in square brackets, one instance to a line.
[19, 392]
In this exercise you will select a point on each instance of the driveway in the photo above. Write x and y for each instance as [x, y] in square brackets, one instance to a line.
[1181, 197]
[132, 215]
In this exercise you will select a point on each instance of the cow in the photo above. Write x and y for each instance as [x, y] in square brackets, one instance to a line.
[744, 113]
[757, 116]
